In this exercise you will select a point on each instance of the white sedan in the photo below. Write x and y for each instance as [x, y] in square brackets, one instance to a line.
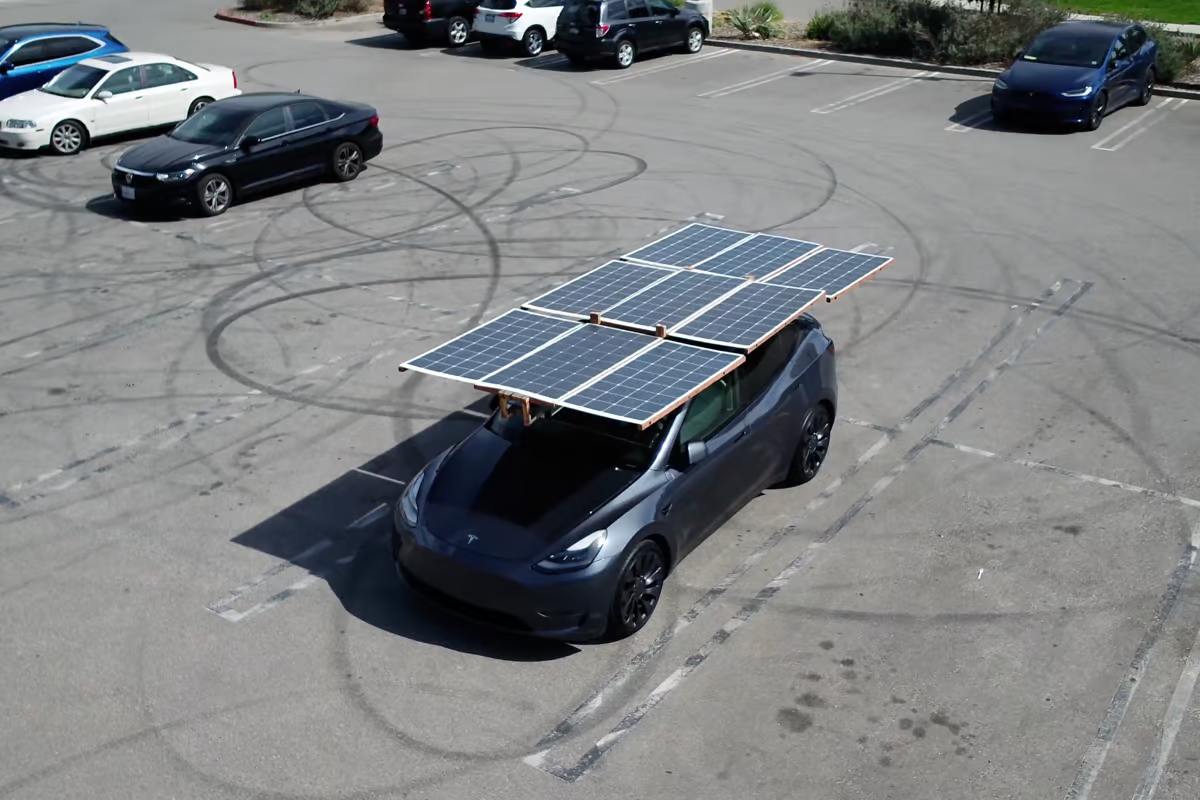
[109, 95]
[532, 23]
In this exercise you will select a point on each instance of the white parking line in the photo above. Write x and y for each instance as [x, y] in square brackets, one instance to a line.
[1150, 117]
[753, 83]
[871, 94]
[970, 123]
[662, 67]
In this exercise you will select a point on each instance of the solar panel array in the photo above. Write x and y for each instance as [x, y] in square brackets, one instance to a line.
[702, 284]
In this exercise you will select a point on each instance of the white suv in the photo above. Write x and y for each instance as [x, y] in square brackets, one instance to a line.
[530, 22]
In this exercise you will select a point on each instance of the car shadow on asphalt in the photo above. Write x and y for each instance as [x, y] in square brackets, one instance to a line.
[976, 113]
[340, 533]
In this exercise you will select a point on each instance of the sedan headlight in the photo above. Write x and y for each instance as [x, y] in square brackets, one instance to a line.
[175, 177]
[1000, 84]
[1086, 91]
[408, 501]
[20, 123]
[577, 556]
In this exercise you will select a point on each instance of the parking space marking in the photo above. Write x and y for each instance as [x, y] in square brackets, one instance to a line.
[1144, 122]
[871, 94]
[362, 471]
[971, 123]
[376, 513]
[676, 64]
[761, 80]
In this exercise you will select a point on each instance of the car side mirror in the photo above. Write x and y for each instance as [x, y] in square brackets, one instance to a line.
[5, 67]
[250, 141]
[696, 452]
[104, 96]
[674, 11]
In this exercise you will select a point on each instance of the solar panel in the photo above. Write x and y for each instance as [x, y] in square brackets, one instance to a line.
[671, 301]
[599, 289]
[566, 364]
[688, 245]
[654, 383]
[489, 347]
[748, 316]
[758, 256]
[833, 271]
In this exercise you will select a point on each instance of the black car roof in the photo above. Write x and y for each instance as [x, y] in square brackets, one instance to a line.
[39, 28]
[261, 101]
[1099, 27]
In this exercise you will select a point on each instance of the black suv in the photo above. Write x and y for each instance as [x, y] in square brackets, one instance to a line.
[420, 20]
[620, 29]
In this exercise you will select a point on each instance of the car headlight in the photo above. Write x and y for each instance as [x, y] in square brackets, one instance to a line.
[20, 123]
[175, 177]
[1086, 91]
[408, 500]
[577, 556]
[1000, 84]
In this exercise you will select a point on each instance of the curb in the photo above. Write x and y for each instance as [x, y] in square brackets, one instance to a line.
[1187, 91]
[227, 15]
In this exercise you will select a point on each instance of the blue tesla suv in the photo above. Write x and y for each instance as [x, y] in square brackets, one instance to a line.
[1077, 72]
[34, 53]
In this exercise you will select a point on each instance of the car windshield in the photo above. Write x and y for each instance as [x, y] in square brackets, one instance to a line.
[573, 434]
[74, 82]
[1067, 49]
[212, 125]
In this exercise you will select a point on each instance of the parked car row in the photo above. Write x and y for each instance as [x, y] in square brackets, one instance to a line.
[584, 31]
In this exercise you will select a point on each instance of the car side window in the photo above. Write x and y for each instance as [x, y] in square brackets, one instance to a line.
[545, 3]
[306, 114]
[68, 46]
[123, 81]
[764, 364]
[661, 8]
[164, 75]
[615, 11]
[636, 9]
[709, 411]
[268, 124]
[29, 53]
[1136, 38]
[1121, 49]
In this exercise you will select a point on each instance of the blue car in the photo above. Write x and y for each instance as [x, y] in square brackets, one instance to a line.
[32, 54]
[1077, 72]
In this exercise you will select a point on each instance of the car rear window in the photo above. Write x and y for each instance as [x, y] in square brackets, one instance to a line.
[499, 5]
[587, 12]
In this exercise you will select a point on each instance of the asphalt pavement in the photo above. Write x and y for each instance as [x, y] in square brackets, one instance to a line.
[990, 591]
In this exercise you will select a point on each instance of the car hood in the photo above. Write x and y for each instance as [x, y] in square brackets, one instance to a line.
[163, 153]
[516, 500]
[1032, 76]
[41, 107]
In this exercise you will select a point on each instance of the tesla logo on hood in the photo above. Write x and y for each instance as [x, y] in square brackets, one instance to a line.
[472, 538]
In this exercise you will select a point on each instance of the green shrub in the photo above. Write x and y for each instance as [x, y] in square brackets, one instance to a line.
[317, 9]
[1175, 52]
[762, 18]
[821, 24]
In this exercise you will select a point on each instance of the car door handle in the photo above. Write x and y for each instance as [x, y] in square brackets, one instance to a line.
[662, 512]
[745, 432]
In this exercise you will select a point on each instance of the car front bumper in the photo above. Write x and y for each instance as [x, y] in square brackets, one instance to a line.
[147, 190]
[24, 138]
[1040, 104]
[509, 595]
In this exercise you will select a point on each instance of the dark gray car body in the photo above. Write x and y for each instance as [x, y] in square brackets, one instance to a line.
[500, 501]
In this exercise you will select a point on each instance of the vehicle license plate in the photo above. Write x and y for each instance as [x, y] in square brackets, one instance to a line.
[489, 17]
[127, 193]
[401, 10]
[574, 29]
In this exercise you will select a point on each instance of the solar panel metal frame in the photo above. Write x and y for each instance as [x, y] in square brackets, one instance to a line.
[831, 296]
[677, 331]
[699, 266]
[532, 305]
[408, 366]
[634, 259]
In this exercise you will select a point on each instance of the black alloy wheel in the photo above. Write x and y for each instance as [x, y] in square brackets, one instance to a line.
[198, 103]
[1096, 115]
[1147, 88]
[214, 194]
[533, 42]
[347, 162]
[458, 30]
[814, 446]
[638, 589]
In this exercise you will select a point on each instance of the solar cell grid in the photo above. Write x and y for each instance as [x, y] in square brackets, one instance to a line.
[570, 362]
[749, 315]
[833, 271]
[758, 256]
[688, 246]
[599, 289]
[671, 301]
[653, 383]
[490, 346]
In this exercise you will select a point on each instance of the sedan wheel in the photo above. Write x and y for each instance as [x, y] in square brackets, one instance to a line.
[1096, 115]
[625, 54]
[457, 31]
[68, 138]
[695, 40]
[347, 161]
[533, 42]
[638, 589]
[198, 103]
[215, 194]
[1147, 88]
[814, 446]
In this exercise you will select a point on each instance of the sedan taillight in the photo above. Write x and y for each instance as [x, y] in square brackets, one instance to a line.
[373, 121]
[234, 78]
[509, 15]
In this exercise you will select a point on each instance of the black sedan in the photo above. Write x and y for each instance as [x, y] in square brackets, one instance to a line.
[567, 528]
[251, 143]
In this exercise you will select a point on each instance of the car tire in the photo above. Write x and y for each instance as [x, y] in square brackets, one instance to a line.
[533, 42]
[214, 194]
[626, 54]
[347, 162]
[458, 31]
[639, 586]
[1096, 113]
[693, 40]
[1147, 88]
[68, 137]
[814, 446]
[999, 117]
[198, 103]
